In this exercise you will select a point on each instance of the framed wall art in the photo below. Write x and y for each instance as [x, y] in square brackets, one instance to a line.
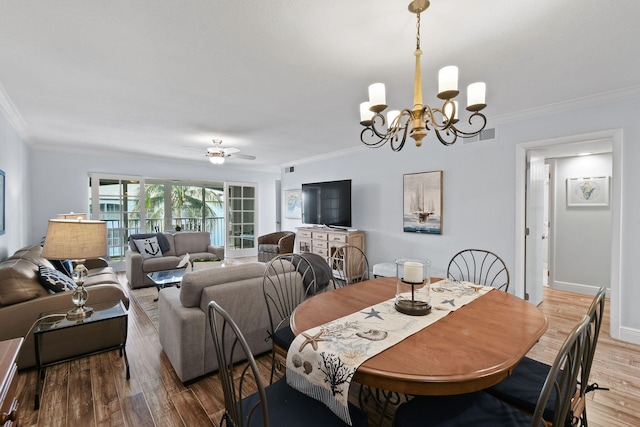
[293, 203]
[422, 202]
[2, 200]
[587, 192]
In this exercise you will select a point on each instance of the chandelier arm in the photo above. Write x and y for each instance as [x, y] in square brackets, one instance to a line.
[396, 134]
[447, 136]
[483, 122]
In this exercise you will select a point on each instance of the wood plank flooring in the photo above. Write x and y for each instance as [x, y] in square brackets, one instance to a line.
[94, 392]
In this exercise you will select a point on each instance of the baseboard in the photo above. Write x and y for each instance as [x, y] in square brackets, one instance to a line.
[576, 288]
[630, 335]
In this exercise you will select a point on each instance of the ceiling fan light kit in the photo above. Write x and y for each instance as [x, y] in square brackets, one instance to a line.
[217, 154]
[419, 120]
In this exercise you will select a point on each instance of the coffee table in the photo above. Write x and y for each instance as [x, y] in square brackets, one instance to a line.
[167, 278]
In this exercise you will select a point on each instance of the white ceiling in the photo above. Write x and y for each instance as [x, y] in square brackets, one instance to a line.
[282, 79]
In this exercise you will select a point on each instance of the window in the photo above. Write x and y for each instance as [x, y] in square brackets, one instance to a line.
[163, 206]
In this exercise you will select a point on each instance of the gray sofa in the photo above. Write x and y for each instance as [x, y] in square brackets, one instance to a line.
[23, 299]
[173, 247]
[185, 334]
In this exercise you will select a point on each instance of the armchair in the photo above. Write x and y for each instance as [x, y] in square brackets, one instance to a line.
[273, 244]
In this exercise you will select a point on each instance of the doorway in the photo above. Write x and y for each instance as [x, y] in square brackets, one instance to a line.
[528, 270]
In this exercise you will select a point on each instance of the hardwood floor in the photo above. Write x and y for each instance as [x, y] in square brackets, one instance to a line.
[93, 391]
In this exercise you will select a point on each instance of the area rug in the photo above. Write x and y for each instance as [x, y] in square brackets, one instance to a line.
[145, 299]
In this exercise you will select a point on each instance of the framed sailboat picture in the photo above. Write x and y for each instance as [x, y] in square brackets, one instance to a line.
[422, 202]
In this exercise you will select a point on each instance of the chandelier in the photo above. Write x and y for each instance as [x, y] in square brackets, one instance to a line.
[419, 120]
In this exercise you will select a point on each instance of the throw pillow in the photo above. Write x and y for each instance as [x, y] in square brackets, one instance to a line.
[148, 248]
[165, 246]
[65, 266]
[54, 280]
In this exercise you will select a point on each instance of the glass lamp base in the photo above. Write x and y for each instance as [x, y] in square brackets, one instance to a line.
[80, 312]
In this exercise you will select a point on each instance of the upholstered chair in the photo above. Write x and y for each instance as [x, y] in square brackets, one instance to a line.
[274, 244]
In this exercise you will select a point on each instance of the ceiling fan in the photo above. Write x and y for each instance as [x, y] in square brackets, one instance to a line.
[217, 154]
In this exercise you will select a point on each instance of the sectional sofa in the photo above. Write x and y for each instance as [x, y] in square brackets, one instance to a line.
[170, 249]
[184, 330]
[23, 298]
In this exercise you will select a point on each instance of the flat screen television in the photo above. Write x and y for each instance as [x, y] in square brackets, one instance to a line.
[327, 203]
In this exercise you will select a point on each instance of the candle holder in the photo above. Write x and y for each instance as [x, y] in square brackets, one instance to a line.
[412, 286]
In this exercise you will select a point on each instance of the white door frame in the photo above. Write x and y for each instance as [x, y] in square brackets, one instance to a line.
[615, 135]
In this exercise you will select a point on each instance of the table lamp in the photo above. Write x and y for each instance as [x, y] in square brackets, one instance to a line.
[76, 240]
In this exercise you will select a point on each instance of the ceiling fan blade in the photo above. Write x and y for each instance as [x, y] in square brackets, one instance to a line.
[242, 156]
[230, 150]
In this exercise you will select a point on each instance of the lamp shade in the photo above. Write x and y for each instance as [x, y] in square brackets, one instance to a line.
[72, 215]
[75, 239]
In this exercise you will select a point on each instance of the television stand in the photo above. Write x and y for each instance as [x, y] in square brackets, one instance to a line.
[325, 241]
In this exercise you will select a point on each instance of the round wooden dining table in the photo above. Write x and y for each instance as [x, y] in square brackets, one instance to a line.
[470, 349]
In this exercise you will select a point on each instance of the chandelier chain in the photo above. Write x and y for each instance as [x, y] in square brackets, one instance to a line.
[418, 32]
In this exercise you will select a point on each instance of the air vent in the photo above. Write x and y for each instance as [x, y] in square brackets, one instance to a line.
[484, 135]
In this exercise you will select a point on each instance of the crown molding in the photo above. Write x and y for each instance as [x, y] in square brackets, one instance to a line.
[14, 117]
[572, 104]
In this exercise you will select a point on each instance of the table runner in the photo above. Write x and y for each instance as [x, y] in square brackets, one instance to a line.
[322, 361]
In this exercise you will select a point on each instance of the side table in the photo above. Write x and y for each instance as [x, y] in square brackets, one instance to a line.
[113, 312]
[9, 381]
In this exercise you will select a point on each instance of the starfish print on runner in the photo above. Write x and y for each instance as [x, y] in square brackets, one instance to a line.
[313, 340]
[372, 313]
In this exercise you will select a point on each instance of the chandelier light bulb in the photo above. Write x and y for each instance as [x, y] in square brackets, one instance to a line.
[476, 96]
[447, 111]
[448, 82]
[366, 115]
[377, 98]
[392, 116]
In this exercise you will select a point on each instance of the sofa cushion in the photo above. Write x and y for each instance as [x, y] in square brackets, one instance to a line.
[161, 263]
[191, 242]
[149, 247]
[55, 280]
[195, 281]
[19, 282]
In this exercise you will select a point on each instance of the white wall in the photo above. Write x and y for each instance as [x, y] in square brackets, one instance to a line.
[581, 235]
[479, 190]
[60, 183]
[14, 160]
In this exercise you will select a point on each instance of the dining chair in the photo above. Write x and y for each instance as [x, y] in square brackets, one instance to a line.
[483, 409]
[287, 280]
[247, 402]
[351, 265]
[522, 387]
[479, 266]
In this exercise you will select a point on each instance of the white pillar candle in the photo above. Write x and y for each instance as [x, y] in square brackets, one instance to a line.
[365, 113]
[476, 96]
[377, 96]
[413, 272]
[391, 117]
[448, 82]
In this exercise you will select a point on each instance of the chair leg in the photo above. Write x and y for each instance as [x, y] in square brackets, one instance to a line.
[382, 400]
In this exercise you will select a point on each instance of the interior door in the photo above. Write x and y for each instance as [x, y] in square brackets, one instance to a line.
[534, 223]
[241, 221]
